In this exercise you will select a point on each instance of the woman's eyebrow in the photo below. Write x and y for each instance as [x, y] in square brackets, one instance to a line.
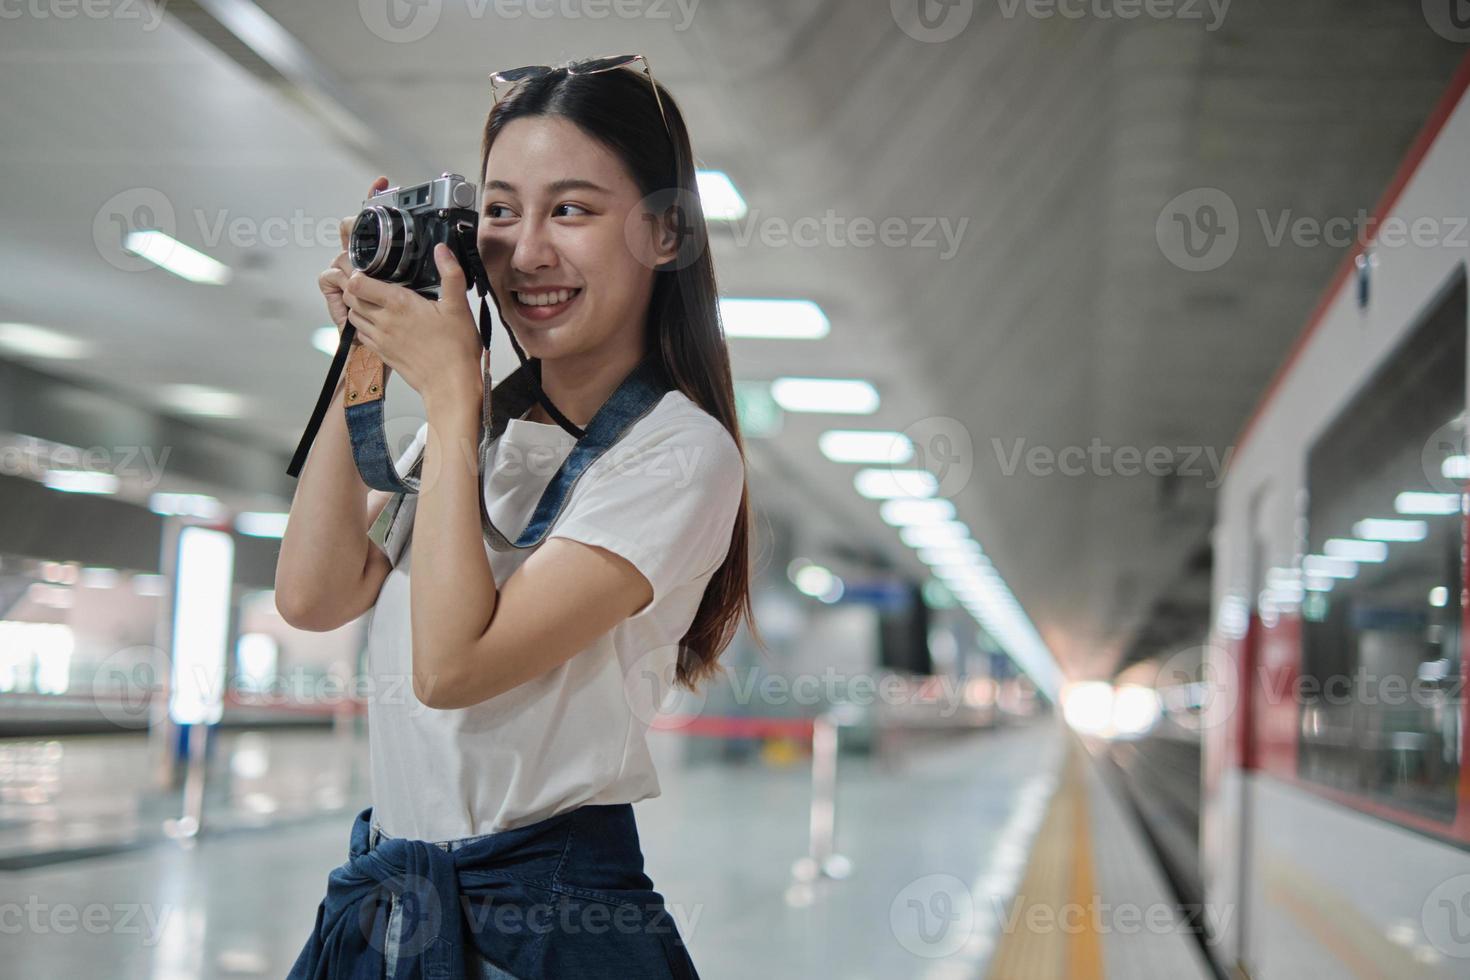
[556, 186]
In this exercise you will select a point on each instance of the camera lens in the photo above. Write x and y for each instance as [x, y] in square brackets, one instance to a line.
[382, 243]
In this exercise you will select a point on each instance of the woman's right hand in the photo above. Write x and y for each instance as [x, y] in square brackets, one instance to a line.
[334, 279]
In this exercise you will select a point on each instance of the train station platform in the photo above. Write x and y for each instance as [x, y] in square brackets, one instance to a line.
[997, 853]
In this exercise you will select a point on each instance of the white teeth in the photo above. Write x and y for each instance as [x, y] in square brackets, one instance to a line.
[545, 299]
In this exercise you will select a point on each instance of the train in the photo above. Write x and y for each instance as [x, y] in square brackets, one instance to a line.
[1334, 796]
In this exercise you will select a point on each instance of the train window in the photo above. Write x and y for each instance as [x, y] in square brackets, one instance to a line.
[1381, 637]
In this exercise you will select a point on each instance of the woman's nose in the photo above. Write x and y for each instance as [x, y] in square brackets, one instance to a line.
[533, 249]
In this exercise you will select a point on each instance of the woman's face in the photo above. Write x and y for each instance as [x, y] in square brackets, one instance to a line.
[560, 215]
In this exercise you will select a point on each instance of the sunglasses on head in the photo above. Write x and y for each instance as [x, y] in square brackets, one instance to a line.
[586, 66]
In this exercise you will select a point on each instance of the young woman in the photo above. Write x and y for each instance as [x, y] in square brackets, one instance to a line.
[512, 687]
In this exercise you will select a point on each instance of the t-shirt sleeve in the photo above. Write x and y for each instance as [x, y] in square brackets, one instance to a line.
[667, 503]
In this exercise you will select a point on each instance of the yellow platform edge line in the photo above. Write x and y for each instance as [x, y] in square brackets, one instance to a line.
[1084, 951]
[1060, 878]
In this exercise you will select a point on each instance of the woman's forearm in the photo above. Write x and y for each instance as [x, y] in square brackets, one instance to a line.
[453, 593]
[322, 568]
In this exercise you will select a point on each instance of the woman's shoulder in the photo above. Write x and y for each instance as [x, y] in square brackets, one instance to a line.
[679, 425]
[678, 412]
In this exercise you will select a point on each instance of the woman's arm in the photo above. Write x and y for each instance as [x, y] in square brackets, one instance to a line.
[470, 641]
[328, 572]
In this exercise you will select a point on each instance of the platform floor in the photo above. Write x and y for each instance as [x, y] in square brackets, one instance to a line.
[940, 841]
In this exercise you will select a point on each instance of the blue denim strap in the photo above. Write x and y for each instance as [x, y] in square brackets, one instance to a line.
[370, 449]
[639, 392]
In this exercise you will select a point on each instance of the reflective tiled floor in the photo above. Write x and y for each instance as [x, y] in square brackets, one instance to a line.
[719, 842]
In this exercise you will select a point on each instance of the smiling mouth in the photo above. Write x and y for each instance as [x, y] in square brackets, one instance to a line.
[544, 304]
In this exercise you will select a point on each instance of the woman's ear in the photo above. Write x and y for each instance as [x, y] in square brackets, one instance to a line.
[670, 231]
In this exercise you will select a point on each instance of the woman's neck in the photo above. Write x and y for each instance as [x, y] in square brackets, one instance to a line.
[579, 385]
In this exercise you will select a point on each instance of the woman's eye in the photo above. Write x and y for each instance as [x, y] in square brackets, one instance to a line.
[495, 211]
[575, 207]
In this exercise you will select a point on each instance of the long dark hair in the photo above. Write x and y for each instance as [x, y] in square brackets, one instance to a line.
[618, 109]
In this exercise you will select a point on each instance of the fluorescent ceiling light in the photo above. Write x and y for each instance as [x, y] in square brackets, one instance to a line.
[819, 583]
[200, 400]
[1455, 468]
[176, 257]
[779, 319]
[718, 196]
[865, 446]
[199, 505]
[1373, 551]
[261, 524]
[944, 554]
[934, 535]
[880, 484]
[1332, 567]
[29, 340]
[325, 339]
[850, 397]
[901, 513]
[81, 481]
[1417, 502]
[1388, 529]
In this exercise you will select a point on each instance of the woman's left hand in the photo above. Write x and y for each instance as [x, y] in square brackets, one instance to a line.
[433, 344]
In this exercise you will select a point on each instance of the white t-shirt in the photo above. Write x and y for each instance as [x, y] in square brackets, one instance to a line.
[664, 497]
